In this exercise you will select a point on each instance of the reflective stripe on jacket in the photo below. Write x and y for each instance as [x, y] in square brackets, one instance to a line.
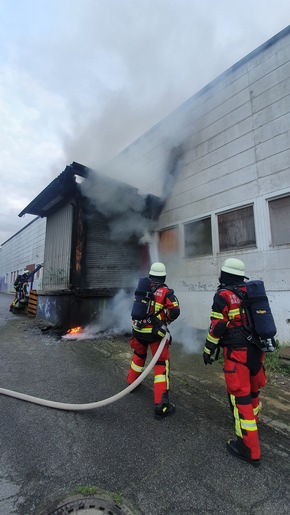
[226, 322]
[164, 309]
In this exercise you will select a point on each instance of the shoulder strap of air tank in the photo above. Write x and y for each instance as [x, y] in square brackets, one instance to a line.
[235, 289]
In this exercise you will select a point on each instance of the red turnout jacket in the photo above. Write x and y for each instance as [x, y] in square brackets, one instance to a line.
[164, 308]
[226, 321]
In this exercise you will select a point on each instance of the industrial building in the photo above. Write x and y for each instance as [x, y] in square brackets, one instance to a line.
[228, 186]
[23, 251]
[214, 182]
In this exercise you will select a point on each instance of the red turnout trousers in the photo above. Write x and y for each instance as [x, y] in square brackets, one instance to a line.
[161, 369]
[245, 375]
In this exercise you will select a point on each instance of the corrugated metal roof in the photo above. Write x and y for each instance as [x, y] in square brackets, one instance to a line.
[64, 187]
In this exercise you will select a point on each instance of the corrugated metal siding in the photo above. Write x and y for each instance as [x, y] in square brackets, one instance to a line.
[109, 264]
[23, 249]
[57, 254]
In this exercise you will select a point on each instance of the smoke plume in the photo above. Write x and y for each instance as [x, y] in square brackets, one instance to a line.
[116, 321]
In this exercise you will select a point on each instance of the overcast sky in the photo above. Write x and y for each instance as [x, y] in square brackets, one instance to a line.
[81, 79]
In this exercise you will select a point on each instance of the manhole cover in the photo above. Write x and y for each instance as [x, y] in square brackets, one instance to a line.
[89, 506]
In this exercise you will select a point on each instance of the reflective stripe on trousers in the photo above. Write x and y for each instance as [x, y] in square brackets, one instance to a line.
[161, 369]
[244, 380]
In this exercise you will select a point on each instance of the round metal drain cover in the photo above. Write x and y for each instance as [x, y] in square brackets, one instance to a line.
[88, 506]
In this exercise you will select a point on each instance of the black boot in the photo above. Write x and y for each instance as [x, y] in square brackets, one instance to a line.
[232, 447]
[164, 411]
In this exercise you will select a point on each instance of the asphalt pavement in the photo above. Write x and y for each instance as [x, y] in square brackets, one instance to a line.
[55, 462]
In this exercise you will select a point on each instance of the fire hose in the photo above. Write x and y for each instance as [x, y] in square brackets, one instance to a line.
[92, 405]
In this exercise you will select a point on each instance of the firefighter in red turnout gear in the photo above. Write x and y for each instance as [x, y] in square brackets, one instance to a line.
[243, 361]
[164, 309]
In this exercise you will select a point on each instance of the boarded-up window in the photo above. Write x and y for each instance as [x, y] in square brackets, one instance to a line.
[237, 229]
[197, 238]
[280, 220]
[168, 242]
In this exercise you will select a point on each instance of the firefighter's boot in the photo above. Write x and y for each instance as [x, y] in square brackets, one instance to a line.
[163, 411]
[235, 450]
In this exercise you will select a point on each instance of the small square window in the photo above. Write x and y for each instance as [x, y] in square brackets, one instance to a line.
[237, 229]
[168, 242]
[197, 238]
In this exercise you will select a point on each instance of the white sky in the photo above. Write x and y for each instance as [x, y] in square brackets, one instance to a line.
[81, 79]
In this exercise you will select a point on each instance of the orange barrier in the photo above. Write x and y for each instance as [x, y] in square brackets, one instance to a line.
[32, 303]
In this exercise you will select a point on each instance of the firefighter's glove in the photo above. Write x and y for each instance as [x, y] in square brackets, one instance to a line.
[207, 355]
[162, 330]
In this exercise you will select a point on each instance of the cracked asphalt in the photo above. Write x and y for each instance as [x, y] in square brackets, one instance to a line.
[171, 467]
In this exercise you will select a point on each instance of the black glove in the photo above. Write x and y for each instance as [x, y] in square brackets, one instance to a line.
[207, 359]
[207, 355]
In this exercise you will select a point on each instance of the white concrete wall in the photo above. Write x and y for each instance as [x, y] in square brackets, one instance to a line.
[236, 153]
[23, 249]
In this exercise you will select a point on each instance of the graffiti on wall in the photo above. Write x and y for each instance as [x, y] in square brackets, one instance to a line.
[46, 309]
[56, 277]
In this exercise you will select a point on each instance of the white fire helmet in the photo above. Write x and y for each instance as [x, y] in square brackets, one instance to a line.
[157, 269]
[234, 266]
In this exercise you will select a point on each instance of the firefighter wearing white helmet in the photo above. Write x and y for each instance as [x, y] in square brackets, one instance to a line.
[20, 278]
[243, 361]
[149, 329]
[157, 270]
[234, 266]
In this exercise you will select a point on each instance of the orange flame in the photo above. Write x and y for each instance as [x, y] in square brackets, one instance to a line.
[74, 330]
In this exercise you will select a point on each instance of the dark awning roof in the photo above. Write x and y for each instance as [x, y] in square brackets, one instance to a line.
[64, 187]
[54, 195]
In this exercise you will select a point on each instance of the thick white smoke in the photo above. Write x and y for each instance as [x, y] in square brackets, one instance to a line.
[122, 207]
[116, 320]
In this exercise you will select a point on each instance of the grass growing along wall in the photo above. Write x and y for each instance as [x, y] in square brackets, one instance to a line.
[273, 361]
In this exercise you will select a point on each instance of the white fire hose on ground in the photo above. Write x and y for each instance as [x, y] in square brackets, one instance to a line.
[92, 405]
